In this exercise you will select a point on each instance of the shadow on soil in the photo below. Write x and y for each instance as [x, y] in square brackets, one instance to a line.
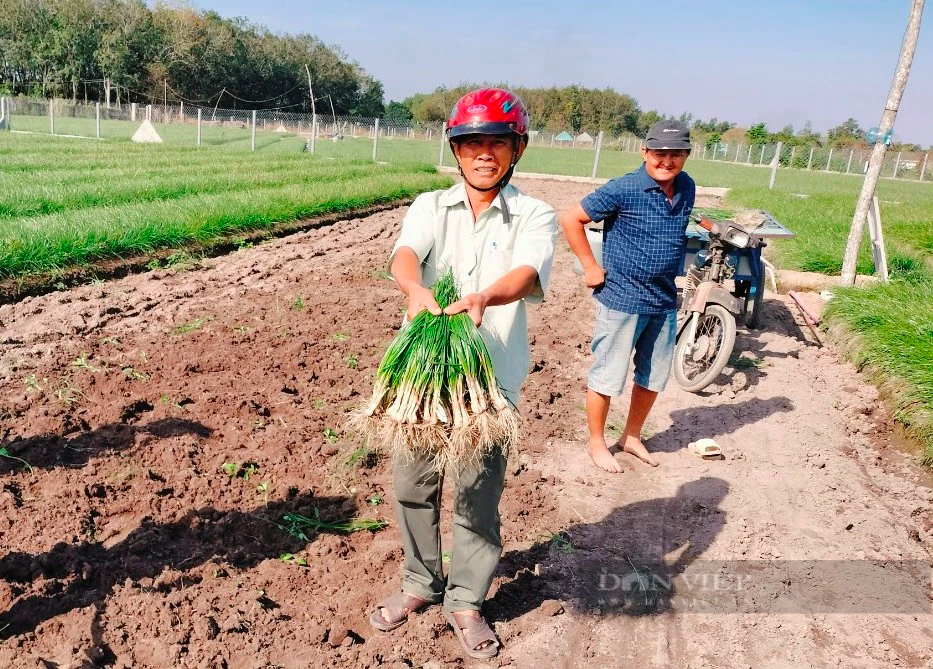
[726, 418]
[598, 568]
[52, 450]
[80, 575]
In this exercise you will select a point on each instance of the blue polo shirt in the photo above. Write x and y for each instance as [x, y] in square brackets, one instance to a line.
[643, 240]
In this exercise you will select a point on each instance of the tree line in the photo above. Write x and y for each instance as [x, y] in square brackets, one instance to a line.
[578, 109]
[117, 51]
[121, 50]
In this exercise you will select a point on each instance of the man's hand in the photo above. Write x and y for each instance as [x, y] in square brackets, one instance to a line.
[474, 304]
[594, 275]
[419, 299]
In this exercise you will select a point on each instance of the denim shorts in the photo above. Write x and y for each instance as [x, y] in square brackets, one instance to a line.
[617, 334]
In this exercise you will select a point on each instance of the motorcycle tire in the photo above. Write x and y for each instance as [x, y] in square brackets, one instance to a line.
[753, 304]
[715, 339]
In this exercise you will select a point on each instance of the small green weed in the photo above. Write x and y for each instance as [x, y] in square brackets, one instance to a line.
[191, 326]
[352, 361]
[134, 374]
[239, 470]
[330, 434]
[375, 500]
[317, 404]
[341, 336]
[241, 329]
[291, 558]
[4, 453]
[89, 526]
[68, 394]
[298, 303]
[33, 384]
[81, 363]
[362, 457]
[562, 540]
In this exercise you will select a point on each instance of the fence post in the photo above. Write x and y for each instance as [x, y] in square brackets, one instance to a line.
[923, 169]
[829, 160]
[97, 115]
[738, 147]
[810, 159]
[849, 164]
[132, 111]
[897, 164]
[748, 158]
[181, 112]
[51, 117]
[375, 139]
[793, 150]
[253, 134]
[774, 164]
[199, 127]
[704, 152]
[440, 155]
[313, 131]
[599, 146]
[149, 113]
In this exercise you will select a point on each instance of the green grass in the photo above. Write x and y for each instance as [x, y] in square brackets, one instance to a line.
[68, 202]
[887, 331]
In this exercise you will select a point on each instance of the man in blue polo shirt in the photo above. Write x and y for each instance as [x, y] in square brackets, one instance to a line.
[644, 216]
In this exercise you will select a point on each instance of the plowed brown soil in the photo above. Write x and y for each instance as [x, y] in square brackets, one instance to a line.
[129, 545]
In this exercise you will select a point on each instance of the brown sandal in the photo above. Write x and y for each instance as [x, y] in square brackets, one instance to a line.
[398, 606]
[472, 633]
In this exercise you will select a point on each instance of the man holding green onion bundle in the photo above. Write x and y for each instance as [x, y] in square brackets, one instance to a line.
[499, 243]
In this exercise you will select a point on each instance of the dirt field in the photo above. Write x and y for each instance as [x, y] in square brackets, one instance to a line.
[129, 545]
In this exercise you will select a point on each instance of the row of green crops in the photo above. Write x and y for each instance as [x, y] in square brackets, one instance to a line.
[67, 202]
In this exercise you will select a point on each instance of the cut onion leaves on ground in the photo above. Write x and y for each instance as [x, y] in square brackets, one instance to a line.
[436, 392]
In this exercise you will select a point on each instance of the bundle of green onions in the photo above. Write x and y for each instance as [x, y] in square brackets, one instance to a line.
[436, 392]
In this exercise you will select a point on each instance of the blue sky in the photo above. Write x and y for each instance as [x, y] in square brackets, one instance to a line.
[784, 61]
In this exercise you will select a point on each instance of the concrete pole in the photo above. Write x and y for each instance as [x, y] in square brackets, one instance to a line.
[599, 146]
[923, 169]
[849, 164]
[898, 84]
[738, 147]
[199, 127]
[253, 134]
[829, 160]
[704, 152]
[774, 165]
[793, 150]
[810, 159]
[440, 155]
[52, 116]
[897, 164]
[748, 158]
[133, 111]
[375, 140]
[313, 131]
[97, 116]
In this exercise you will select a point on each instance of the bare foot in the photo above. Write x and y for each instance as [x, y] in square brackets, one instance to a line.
[601, 456]
[634, 447]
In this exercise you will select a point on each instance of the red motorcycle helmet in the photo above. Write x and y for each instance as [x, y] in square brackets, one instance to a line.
[488, 111]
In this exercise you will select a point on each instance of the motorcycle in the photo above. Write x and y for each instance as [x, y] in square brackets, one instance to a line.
[706, 318]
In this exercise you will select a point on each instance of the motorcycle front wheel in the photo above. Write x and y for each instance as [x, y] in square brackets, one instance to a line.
[712, 346]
